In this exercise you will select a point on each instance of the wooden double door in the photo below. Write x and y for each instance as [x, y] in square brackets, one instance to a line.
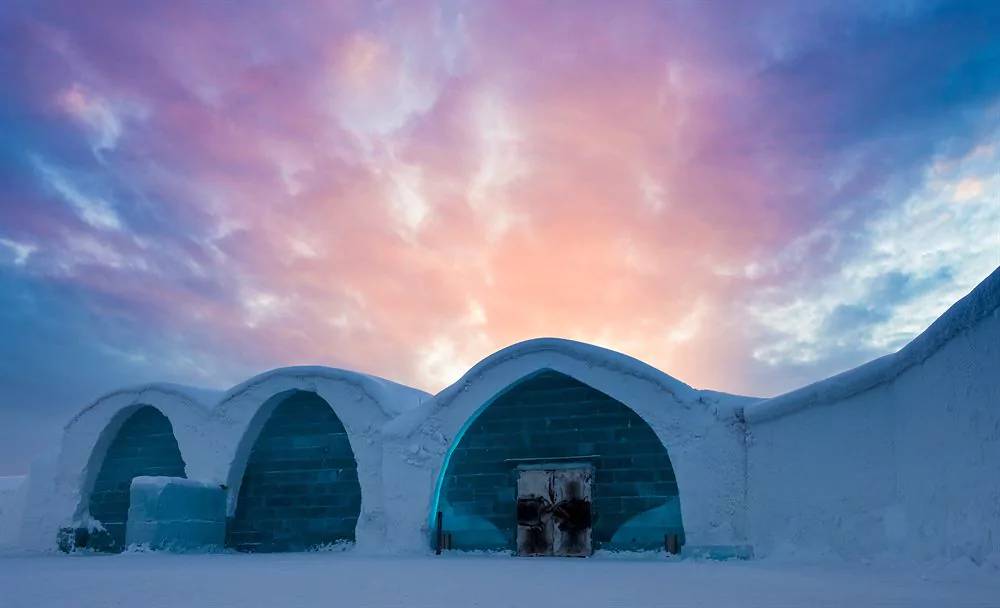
[554, 510]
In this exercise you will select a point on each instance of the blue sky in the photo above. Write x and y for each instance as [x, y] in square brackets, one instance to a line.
[747, 196]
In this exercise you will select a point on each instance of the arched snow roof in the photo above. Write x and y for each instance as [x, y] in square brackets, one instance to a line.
[206, 420]
[981, 302]
[702, 431]
[594, 356]
[173, 396]
[595, 360]
[363, 403]
[212, 427]
[391, 397]
[87, 435]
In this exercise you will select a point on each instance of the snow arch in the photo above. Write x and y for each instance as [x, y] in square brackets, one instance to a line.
[209, 427]
[299, 487]
[361, 403]
[142, 443]
[548, 416]
[59, 489]
[702, 430]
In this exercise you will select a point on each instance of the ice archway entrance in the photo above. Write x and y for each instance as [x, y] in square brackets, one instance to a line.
[552, 422]
[143, 445]
[300, 487]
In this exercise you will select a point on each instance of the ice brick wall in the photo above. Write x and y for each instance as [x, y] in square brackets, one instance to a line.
[551, 415]
[300, 488]
[144, 445]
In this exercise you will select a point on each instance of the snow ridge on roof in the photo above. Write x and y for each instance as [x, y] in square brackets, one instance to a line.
[595, 356]
[981, 302]
[196, 397]
[392, 397]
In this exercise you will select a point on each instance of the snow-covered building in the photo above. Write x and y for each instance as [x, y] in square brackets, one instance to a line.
[294, 453]
[546, 447]
[658, 457]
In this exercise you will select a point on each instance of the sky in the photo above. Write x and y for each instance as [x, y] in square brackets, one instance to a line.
[748, 196]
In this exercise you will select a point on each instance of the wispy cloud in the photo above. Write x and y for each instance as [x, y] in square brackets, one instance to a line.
[94, 210]
[895, 272]
[20, 252]
[95, 113]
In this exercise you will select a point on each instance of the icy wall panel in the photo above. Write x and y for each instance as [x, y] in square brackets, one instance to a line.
[175, 513]
[948, 450]
[822, 479]
[908, 467]
[554, 417]
[300, 488]
[144, 445]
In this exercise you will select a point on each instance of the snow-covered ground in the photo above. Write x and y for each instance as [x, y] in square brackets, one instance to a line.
[151, 580]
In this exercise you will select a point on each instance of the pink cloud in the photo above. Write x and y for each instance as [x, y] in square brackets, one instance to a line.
[357, 184]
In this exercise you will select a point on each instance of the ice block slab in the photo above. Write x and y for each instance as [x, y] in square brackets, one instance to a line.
[176, 514]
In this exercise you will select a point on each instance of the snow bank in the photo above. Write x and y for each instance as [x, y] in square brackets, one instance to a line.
[901, 455]
[702, 431]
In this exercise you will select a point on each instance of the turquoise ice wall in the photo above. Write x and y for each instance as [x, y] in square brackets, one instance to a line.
[300, 488]
[144, 445]
[553, 416]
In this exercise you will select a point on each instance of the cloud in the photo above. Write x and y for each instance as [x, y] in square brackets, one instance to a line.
[94, 210]
[406, 197]
[456, 349]
[500, 163]
[96, 114]
[404, 188]
[20, 251]
[259, 306]
[59, 355]
[905, 265]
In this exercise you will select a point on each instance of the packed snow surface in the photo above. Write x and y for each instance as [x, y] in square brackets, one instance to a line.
[154, 580]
